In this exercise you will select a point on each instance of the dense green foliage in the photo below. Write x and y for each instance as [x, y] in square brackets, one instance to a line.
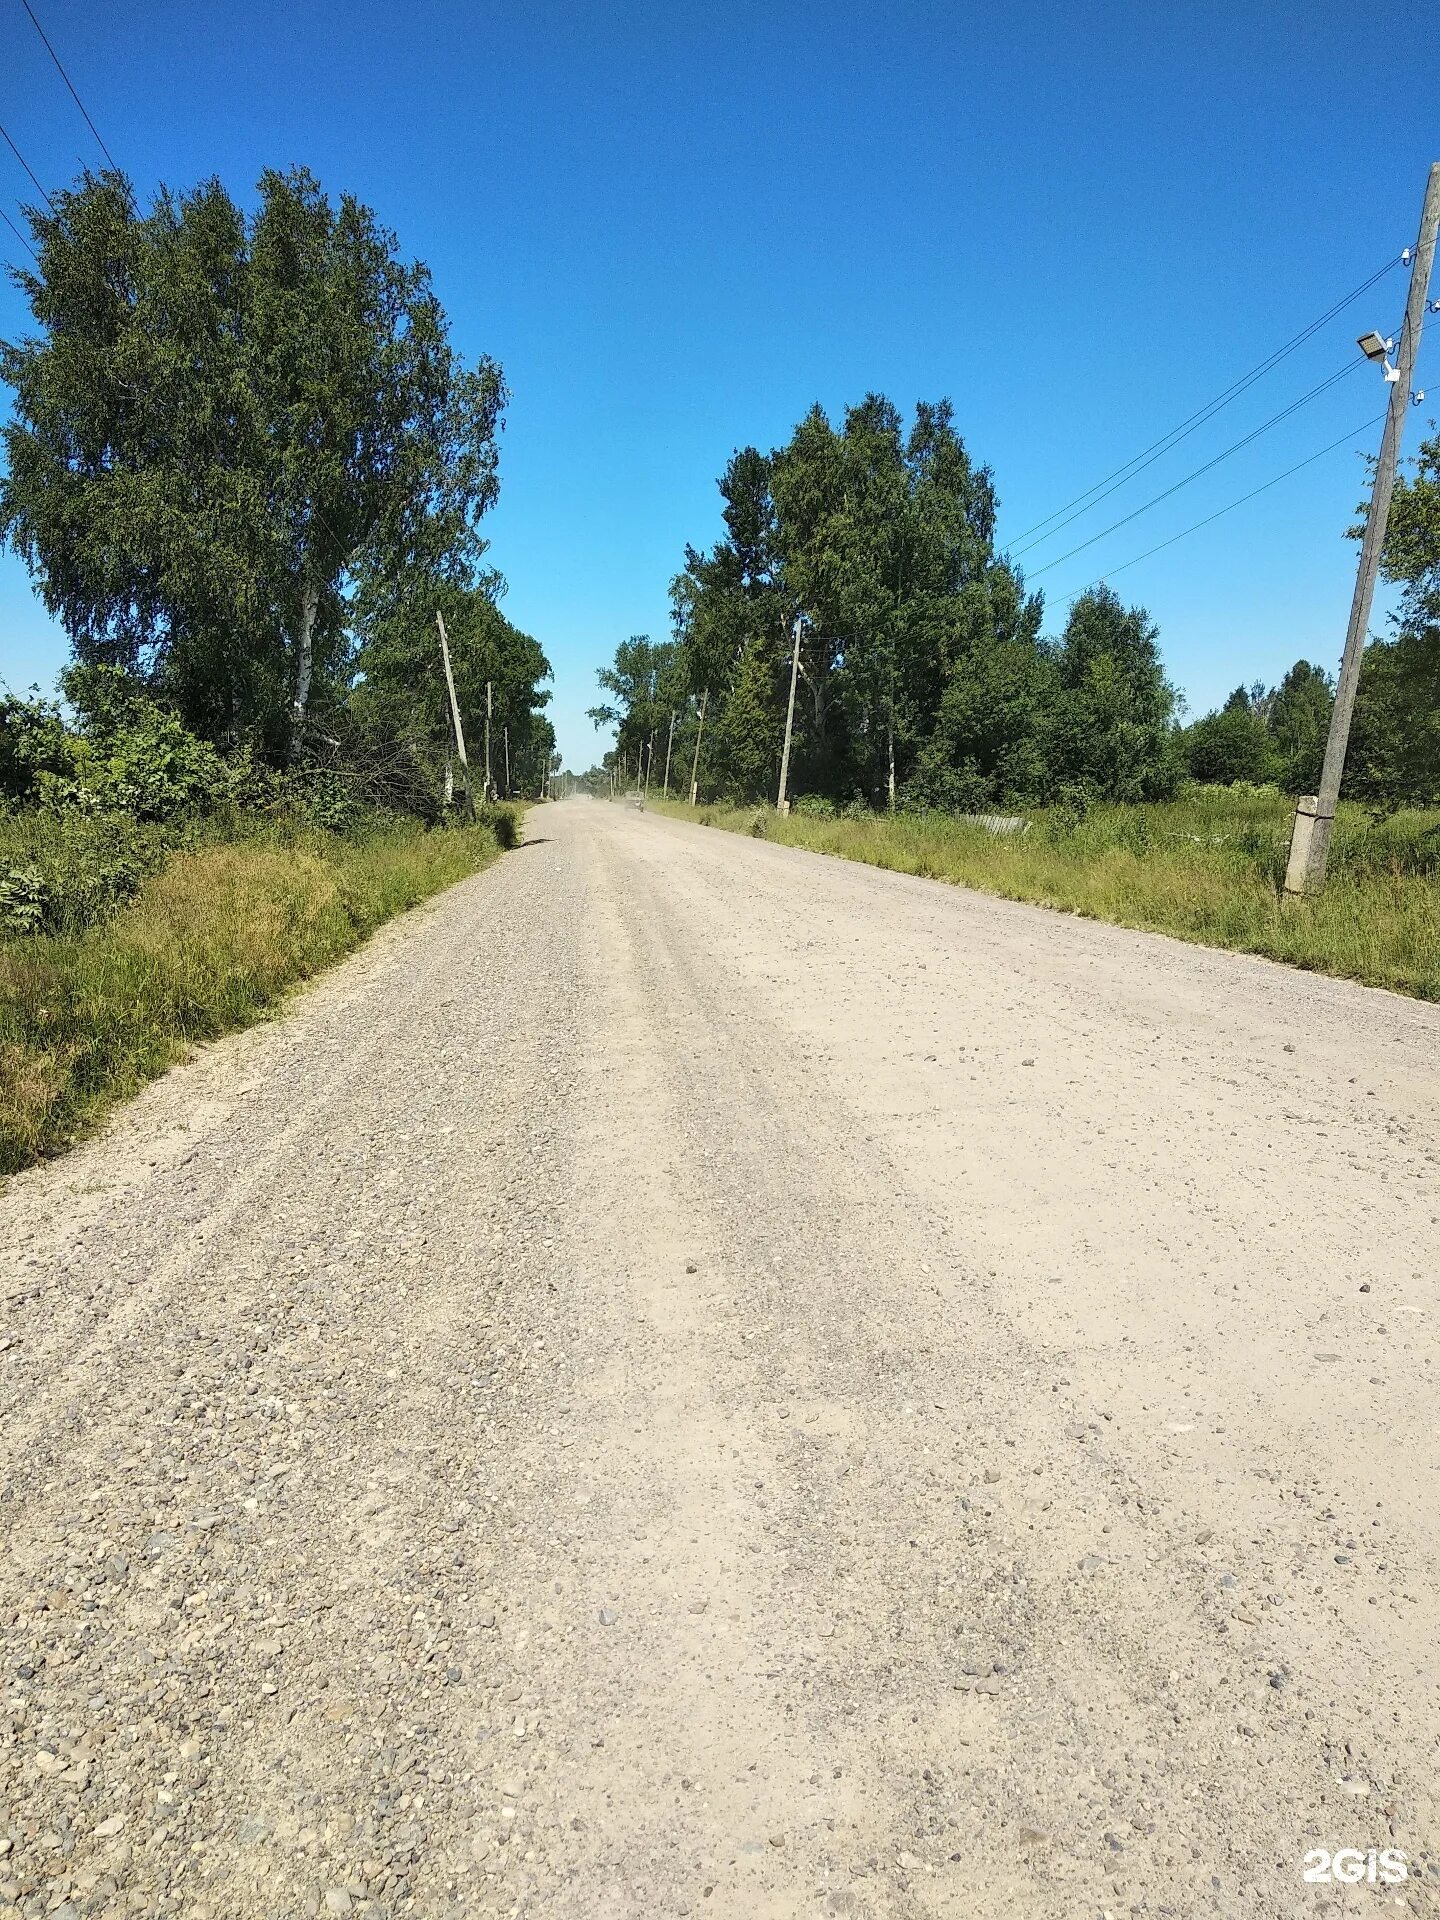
[90, 807]
[1395, 745]
[924, 677]
[247, 471]
[1260, 736]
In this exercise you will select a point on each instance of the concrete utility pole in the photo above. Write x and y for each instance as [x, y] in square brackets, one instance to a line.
[489, 784]
[782, 805]
[1315, 813]
[669, 743]
[695, 763]
[455, 714]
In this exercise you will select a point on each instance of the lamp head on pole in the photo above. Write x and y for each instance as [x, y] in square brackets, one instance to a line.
[1375, 348]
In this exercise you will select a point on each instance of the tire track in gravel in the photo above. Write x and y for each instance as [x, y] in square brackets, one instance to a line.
[114, 1301]
[230, 1638]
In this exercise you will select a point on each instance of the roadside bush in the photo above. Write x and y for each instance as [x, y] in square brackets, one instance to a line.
[939, 787]
[503, 820]
[133, 756]
[34, 742]
[61, 871]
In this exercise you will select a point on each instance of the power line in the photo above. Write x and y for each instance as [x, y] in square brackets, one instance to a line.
[19, 236]
[1254, 434]
[1219, 513]
[1148, 455]
[69, 83]
[29, 169]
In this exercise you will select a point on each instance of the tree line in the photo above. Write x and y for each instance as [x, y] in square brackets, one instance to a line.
[246, 467]
[926, 677]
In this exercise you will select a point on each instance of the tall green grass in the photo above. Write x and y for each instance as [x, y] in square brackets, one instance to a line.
[210, 941]
[1206, 867]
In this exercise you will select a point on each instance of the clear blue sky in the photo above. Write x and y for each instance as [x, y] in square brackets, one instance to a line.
[677, 225]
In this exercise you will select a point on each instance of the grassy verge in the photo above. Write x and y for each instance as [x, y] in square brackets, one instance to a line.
[1206, 868]
[208, 943]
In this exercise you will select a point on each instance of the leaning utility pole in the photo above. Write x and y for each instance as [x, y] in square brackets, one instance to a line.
[1315, 813]
[455, 713]
[669, 743]
[695, 763]
[782, 805]
[489, 785]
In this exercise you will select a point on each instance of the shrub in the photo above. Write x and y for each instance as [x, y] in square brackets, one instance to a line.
[61, 871]
[34, 741]
[503, 820]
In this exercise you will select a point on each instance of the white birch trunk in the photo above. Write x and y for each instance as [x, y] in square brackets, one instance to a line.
[304, 664]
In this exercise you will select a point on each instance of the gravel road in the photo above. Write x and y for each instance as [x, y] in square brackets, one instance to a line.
[690, 1378]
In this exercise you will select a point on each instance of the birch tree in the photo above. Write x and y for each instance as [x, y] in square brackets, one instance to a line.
[225, 425]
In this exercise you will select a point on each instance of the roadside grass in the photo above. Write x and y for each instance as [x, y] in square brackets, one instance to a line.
[1206, 867]
[210, 941]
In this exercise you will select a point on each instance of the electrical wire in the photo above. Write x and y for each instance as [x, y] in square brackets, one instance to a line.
[69, 83]
[1255, 434]
[1342, 373]
[1093, 495]
[29, 169]
[19, 236]
[1309, 460]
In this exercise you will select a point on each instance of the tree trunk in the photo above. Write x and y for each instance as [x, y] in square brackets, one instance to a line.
[448, 793]
[304, 665]
[890, 777]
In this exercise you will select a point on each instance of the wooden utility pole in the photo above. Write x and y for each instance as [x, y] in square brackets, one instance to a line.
[1315, 813]
[669, 743]
[489, 784]
[782, 805]
[455, 713]
[695, 763]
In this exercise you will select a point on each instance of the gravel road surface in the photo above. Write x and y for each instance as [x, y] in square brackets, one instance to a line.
[690, 1378]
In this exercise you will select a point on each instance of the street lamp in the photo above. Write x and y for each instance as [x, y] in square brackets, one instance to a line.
[1374, 348]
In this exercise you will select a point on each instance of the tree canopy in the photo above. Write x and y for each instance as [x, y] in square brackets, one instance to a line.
[231, 431]
[924, 675]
